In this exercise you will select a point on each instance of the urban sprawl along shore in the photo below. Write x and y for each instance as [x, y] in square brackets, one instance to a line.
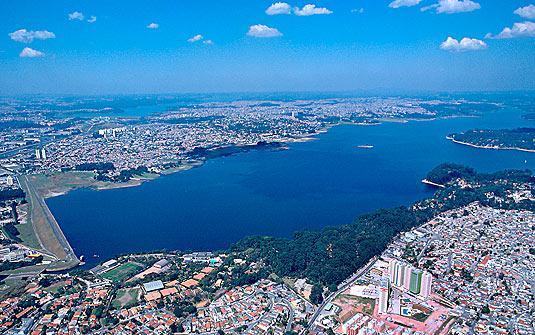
[463, 265]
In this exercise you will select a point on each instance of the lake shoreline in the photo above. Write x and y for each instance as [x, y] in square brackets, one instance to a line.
[452, 139]
[99, 186]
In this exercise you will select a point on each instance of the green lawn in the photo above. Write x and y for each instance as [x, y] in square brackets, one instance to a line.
[122, 272]
[27, 235]
[12, 287]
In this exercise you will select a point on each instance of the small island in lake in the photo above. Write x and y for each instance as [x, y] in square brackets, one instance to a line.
[522, 139]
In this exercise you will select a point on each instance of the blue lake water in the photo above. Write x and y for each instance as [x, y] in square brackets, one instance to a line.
[328, 181]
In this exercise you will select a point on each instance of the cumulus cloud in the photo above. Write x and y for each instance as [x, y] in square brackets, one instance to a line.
[153, 25]
[198, 38]
[527, 12]
[404, 3]
[357, 10]
[260, 30]
[466, 44]
[453, 6]
[30, 53]
[309, 10]
[279, 8]
[519, 29]
[76, 16]
[26, 36]
[92, 19]
[195, 38]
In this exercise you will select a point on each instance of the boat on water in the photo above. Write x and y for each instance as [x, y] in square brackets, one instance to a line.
[365, 146]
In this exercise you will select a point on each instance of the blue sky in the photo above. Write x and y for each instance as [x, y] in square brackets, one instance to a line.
[108, 46]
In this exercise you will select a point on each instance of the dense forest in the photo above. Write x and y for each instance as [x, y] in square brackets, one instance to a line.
[102, 167]
[208, 153]
[329, 256]
[11, 194]
[490, 189]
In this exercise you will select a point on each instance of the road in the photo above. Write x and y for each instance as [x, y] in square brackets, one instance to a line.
[434, 237]
[290, 316]
[341, 288]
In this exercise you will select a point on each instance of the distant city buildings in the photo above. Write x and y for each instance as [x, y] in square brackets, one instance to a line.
[40, 154]
[159, 141]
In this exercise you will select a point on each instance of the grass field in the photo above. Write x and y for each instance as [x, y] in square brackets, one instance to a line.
[40, 223]
[27, 235]
[12, 287]
[122, 272]
[125, 298]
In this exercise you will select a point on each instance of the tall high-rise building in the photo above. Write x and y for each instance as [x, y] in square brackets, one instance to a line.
[398, 272]
[38, 154]
[427, 281]
[384, 293]
[392, 270]
[407, 278]
[416, 281]
[43, 154]
[404, 276]
[400, 277]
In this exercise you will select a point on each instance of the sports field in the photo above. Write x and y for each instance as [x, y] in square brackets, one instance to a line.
[122, 272]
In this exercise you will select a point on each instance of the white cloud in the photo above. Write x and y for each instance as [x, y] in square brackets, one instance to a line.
[453, 6]
[208, 42]
[527, 12]
[309, 9]
[30, 53]
[260, 30]
[92, 19]
[466, 44]
[519, 29]
[357, 10]
[279, 8]
[153, 25]
[76, 16]
[404, 3]
[25, 36]
[195, 38]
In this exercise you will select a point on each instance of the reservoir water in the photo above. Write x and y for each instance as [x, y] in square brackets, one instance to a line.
[327, 181]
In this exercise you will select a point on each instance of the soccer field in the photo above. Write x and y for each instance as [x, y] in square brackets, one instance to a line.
[122, 272]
